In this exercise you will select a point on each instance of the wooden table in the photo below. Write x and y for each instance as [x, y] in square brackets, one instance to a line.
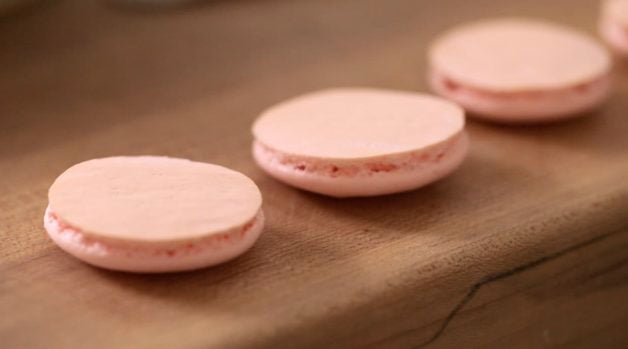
[525, 247]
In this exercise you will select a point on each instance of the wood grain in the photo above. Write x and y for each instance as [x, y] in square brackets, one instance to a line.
[524, 247]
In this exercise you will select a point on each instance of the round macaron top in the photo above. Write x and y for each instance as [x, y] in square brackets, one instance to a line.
[346, 124]
[617, 10]
[153, 199]
[514, 55]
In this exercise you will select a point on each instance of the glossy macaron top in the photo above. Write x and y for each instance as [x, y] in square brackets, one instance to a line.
[515, 55]
[357, 123]
[153, 199]
[616, 10]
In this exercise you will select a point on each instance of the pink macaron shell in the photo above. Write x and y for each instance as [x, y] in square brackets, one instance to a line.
[616, 35]
[369, 178]
[510, 55]
[532, 106]
[153, 258]
[153, 198]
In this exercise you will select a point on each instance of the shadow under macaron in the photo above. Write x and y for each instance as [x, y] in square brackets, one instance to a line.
[601, 131]
[422, 210]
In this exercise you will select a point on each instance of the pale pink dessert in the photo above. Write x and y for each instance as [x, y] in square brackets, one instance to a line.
[153, 214]
[520, 70]
[614, 25]
[360, 142]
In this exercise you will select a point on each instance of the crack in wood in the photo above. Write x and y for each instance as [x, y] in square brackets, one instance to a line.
[506, 274]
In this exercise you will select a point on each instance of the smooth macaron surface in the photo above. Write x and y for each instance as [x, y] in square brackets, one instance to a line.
[515, 55]
[616, 10]
[153, 199]
[357, 124]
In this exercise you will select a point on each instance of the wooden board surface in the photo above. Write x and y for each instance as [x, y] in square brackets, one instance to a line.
[526, 246]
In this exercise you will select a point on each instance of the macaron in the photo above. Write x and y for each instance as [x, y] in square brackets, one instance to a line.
[153, 214]
[520, 70]
[360, 142]
[614, 25]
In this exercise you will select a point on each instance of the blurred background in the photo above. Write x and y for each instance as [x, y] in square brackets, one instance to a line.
[115, 61]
